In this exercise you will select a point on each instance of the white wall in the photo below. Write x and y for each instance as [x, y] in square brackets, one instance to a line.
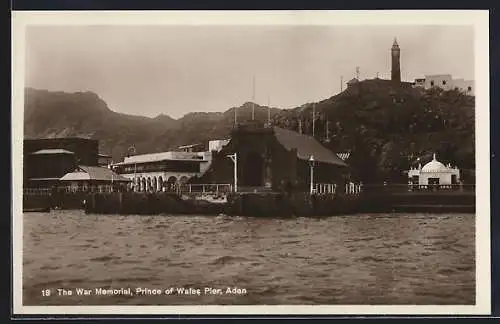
[444, 177]
[443, 81]
[463, 85]
[419, 83]
[207, 156]
[467, 86]
[217, 145]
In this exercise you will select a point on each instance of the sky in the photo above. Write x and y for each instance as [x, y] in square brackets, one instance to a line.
[173, 70]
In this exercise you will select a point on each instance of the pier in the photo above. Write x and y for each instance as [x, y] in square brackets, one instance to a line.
[216, 199]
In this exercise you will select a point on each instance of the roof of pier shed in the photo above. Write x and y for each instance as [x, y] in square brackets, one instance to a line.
[306, 146]
[93, 173]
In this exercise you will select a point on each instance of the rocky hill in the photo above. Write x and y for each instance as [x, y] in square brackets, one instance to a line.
[385, 127]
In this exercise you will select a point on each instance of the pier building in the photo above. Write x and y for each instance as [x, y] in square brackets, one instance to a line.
[52, 162]
[46, 160]
[274, 158]
[92, 179]
[163, 171]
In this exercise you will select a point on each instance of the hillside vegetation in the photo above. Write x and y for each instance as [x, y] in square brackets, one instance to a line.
[385, 127]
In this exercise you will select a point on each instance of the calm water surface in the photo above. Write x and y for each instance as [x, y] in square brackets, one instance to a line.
[361, 259]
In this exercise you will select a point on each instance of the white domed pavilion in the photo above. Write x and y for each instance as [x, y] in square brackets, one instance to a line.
[434, 173]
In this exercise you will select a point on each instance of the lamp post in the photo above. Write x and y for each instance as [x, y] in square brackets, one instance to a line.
[311, 165]
[112, 170]
[234, 158]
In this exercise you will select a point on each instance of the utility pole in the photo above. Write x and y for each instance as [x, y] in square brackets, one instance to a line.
[313, 117]
[234, 158]
[253, 98]
[311, 165]
[268, 111]
[341, 83]
[357, 72]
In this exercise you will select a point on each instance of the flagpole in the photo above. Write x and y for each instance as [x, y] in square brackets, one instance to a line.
[314, 117]
[268, 111]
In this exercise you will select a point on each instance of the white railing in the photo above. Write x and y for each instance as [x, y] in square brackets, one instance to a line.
[444, 187]
[353, 188]
[206, 188]
[325, 188]
[37, 191]
[333, 188]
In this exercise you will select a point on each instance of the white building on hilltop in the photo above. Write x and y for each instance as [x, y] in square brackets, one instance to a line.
[445, 82]
[434, 173]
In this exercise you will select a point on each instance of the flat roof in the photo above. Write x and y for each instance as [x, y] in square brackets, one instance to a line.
[191, 145]
[160, 160]
[52, 151]
[59, 138]
[42, 179]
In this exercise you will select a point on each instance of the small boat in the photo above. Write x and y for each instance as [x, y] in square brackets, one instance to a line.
[211, 198]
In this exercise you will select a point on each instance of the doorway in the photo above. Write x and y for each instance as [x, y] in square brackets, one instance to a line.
[433, 181]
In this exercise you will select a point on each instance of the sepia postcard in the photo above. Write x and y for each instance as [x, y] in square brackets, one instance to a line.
[251, 162]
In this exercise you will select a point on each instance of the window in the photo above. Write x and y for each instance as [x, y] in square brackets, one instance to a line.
[432, 83]
[444, 82]
[469, 88]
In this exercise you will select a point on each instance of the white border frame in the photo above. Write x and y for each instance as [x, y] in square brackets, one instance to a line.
[479, 19]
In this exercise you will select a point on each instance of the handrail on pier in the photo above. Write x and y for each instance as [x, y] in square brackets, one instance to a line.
[206, 188]
[332, 188]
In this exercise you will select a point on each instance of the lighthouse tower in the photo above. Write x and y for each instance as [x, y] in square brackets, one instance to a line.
[395, 56]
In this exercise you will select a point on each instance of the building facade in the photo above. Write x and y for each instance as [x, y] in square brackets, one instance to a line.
[466, 86]
[163, 171]
[443, 81]
[217, 145]
[274, 158]
[104, 160]
[446, 82]
[420, 83]
[434, 173]
[92, 179]
[52, 163]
